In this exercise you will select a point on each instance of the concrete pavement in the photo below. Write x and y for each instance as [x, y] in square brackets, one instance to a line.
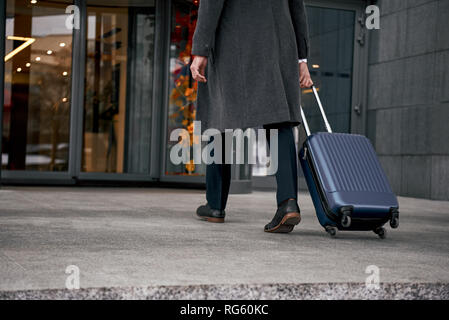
[120, 237]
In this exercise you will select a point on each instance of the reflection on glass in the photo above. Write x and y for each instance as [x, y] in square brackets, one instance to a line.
[118, 89]
[183, 90]
[330, 64]
[38, 54]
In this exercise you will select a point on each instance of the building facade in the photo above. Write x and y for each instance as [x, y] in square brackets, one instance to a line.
[408, 96]
[93, 89]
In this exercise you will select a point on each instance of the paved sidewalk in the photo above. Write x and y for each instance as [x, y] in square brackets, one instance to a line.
[121, 237]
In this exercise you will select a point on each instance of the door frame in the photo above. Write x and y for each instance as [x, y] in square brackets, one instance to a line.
[74, 173]
[360, 58]
[77, 125]
[2, 75]
[165, 106]
[40, 177]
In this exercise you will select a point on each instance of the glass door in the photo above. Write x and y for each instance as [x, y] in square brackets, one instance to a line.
[85, 112]
[118, 89]
[37, 89]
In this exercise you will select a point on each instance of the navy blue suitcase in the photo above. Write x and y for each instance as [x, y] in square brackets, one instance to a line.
[348, 186]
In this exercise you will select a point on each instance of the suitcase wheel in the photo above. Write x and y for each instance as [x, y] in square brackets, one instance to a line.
[345, 217]
[332, 231]
[394, 221]
[381, 232]
[346, 220]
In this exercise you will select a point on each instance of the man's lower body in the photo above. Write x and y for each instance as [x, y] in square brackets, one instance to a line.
[218, 179]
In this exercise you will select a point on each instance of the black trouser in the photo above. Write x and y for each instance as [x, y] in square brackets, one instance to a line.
[218, 176]
[218, 180]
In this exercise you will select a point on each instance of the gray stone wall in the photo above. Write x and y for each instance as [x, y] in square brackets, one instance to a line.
[408, 96]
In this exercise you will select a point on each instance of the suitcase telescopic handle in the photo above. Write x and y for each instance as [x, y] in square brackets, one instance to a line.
[323, 114]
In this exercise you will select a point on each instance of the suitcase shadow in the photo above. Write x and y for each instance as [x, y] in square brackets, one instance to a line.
[342, 235]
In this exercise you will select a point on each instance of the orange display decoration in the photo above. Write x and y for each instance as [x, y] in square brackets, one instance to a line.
[184, 92]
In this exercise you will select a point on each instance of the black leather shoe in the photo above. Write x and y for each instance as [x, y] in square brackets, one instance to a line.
[286, 218]
[211, 215]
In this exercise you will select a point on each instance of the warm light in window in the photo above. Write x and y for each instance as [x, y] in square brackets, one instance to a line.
[49, 52]
[28, 64]
[62, 44]
[65, 73]
[19, 69]
[64, 99]
[38, 58]
[27, 42]
[316, 66]
[33, 1]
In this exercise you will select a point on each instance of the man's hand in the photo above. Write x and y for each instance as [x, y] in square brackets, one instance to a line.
[304, 76]
[198, 68]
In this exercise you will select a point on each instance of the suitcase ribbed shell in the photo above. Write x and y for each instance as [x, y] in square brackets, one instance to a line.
[347, 162]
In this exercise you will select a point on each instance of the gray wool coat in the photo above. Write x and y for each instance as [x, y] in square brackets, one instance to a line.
[252, 74]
